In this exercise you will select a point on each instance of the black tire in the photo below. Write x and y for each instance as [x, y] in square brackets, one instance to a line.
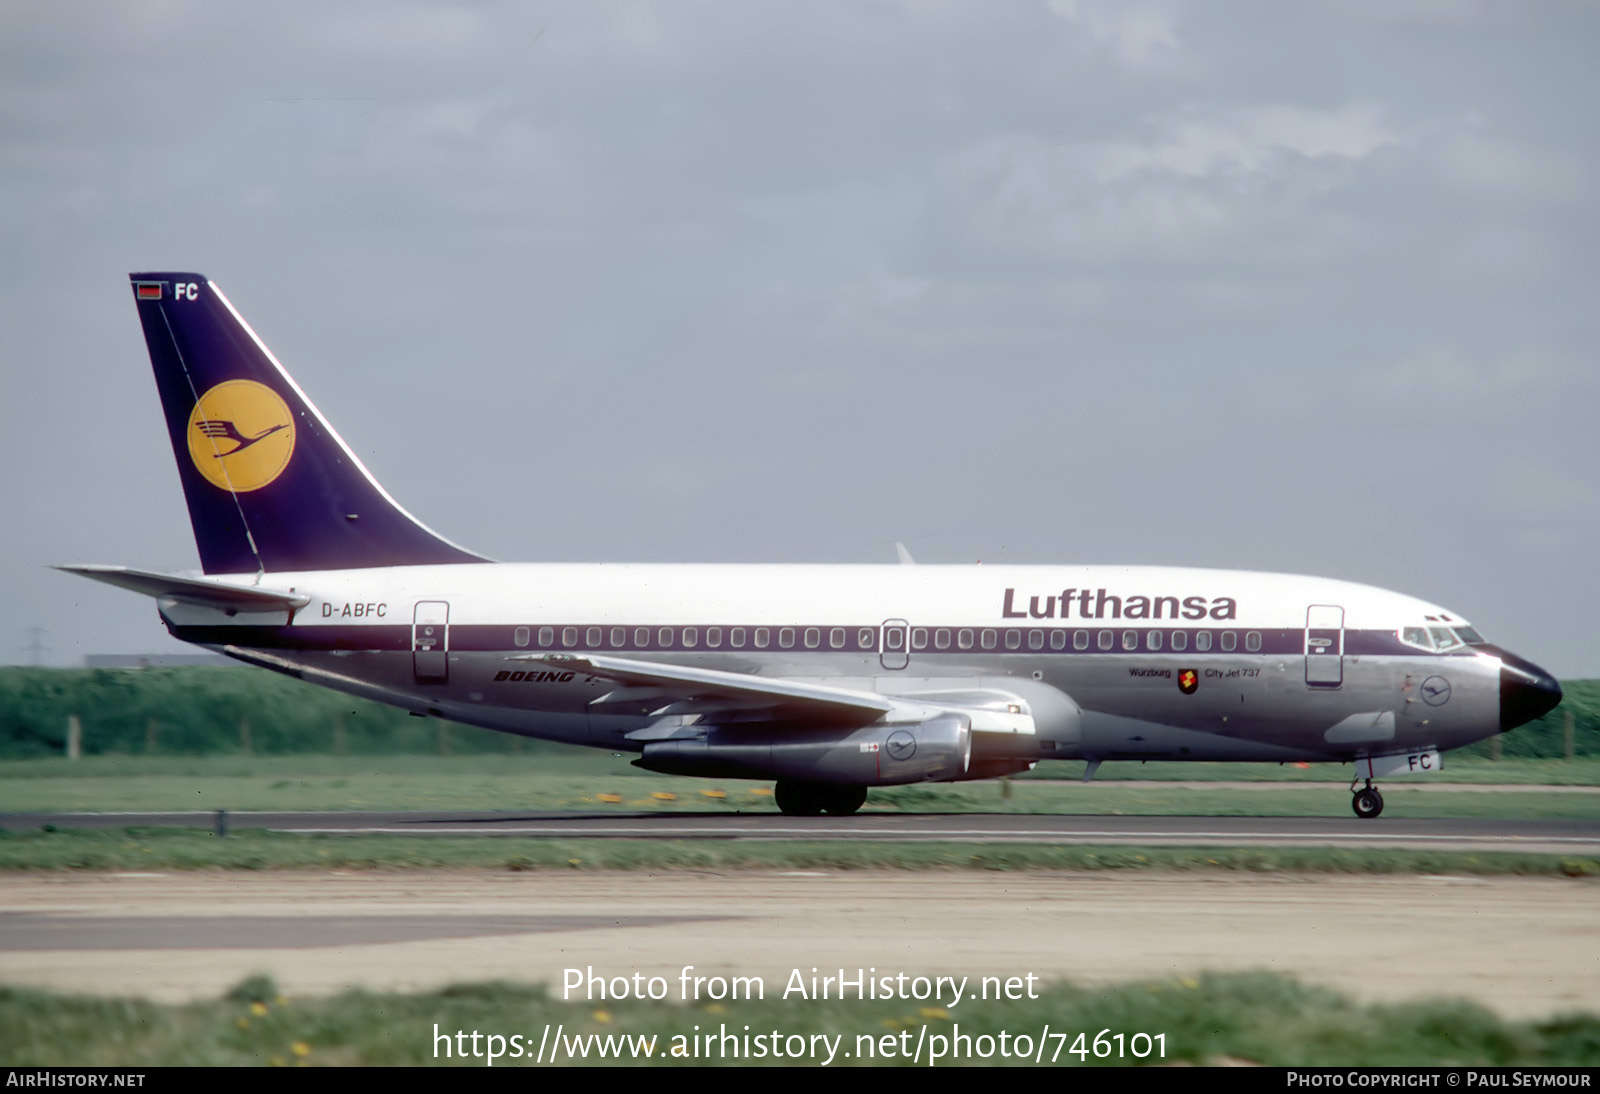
[798, 799]
[1367, 803]
[843, 800]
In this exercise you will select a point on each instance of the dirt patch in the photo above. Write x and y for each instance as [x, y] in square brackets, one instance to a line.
[1524, 947]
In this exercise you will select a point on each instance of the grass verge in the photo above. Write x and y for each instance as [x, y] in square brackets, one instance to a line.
[587, 762]
[141, 849]
[476, 783]
[1580, 771]
[1238, 1017]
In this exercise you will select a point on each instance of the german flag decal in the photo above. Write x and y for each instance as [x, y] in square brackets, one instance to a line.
[1188, 681]
[147, 290]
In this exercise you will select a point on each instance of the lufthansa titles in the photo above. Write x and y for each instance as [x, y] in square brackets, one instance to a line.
[1099, 604]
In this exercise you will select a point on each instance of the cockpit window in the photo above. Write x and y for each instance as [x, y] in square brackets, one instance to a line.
[1440, 639]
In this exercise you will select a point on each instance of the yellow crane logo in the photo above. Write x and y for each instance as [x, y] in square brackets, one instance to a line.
[241, 435]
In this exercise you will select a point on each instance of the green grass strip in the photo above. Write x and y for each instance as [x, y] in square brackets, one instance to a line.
[237, 786]
[1260, 1017]
[187, 849]
[590, 762]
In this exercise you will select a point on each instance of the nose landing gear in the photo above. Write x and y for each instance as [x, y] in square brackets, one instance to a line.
[1366, 802]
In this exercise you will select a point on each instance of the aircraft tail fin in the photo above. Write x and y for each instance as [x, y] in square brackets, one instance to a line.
[270, 485]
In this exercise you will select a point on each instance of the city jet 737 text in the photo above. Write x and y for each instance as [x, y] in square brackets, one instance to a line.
[827, 679]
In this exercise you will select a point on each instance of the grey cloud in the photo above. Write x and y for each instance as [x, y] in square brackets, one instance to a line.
[1083, 281]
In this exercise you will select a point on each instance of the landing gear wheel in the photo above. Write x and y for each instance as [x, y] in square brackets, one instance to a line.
[799, 799]
[1367, 803]
[841, 801]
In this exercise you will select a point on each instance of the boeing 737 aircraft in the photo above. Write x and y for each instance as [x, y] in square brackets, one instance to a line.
[827, 679]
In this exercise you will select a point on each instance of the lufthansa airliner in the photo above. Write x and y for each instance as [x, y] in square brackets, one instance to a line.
[827, 679]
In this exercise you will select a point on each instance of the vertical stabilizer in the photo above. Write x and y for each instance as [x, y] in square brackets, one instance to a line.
[270, 485]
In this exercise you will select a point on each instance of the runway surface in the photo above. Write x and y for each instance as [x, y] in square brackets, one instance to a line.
[1522, 946]
[1543, 836]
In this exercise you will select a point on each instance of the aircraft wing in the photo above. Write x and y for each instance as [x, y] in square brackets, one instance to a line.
[677, 689]
[202, 591]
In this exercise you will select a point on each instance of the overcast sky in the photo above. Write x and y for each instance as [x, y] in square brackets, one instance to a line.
[1259, 285]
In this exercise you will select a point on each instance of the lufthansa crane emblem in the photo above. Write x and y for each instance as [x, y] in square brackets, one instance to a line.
[1436, 691]
[241, 435]
[901, 745]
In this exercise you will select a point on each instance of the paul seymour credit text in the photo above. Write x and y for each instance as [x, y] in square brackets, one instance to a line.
[1465, 1078]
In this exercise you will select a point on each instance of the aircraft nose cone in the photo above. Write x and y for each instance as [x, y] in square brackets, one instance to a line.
[1526, 692]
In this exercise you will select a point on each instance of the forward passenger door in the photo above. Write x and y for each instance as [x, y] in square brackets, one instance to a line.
[1324, 646]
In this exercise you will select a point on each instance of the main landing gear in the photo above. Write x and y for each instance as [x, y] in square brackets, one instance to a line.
[803, 799]
[1367, 802]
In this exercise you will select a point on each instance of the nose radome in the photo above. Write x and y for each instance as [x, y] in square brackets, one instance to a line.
[1526, 691]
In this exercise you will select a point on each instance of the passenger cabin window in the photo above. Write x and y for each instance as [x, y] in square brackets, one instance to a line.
[1202, 641]
[713, 637]
[594, 637]
[1080, 640]
[736, 638]
[988, 638]
[1130, 640]
[619, 637]
[1153, 640]
[569, 636]
[547, 636]
[1180, 640]
[813, 638]
[1106, 640]
[1252, 641]
[663, 637]
[941, 638]
[641, 636]
[691, 635]
[1058, 640]
[964, 639]
[785, 637]
[1229, 641]
[520, 636]
[1013, 639]
[867, 638]
[836, 638]
[763, 636]
[1036, 640]
[919, 638]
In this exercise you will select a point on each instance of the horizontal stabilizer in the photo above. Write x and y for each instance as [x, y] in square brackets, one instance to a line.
[201, 591]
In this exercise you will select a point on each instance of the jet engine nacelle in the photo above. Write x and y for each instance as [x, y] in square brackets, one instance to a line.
[997, 767]
[936, 750]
